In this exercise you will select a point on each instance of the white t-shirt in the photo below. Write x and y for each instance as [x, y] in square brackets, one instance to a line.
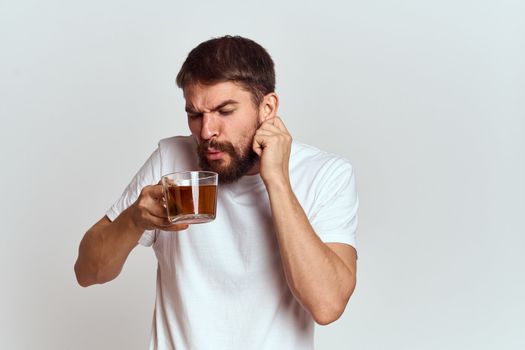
[221, 285]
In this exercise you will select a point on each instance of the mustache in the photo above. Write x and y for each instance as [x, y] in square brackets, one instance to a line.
[219, 146]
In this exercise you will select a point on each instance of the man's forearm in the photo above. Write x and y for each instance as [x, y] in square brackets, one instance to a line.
[316, 275]
[105, 248]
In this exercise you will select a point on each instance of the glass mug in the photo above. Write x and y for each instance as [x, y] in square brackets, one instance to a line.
[191, 196]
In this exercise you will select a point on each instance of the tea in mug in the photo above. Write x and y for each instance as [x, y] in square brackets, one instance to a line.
[191, 204]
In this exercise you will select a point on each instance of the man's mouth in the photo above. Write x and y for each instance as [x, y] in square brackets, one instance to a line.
[213, 154]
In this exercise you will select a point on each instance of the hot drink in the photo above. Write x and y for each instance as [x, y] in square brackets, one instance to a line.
[191, 204]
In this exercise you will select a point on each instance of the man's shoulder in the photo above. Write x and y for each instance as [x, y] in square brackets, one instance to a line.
[177, 145]
[304, 155]
[316, 171]
[179, 140]
[178, 153]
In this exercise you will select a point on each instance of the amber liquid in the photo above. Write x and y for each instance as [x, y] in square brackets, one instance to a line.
[187, 204]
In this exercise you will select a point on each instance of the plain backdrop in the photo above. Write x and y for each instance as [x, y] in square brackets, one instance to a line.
[425, 98]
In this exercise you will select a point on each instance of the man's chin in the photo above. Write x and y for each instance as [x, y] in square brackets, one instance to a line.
[229, 168]
[219, 166]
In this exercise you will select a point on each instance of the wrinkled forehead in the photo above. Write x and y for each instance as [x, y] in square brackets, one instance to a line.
[209, 95]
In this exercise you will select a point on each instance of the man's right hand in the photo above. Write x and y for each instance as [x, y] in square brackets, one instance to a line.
[149, 211]
[106, 246]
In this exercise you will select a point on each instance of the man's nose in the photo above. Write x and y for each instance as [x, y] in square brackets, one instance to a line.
[210, 127]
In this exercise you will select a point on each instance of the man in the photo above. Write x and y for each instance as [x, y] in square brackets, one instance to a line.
[280, 253]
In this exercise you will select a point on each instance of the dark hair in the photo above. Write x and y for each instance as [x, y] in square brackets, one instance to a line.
[230, 58]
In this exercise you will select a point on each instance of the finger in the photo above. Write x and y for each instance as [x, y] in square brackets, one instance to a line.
[176, 227]
[158, 211]
[275, 125]
[262, 137]
[151, 204]
[269, 121]
[154, 191]
[258, 145]
[157, 222]
[278, 122]
[264, 133]
[269, 137]
[166, 225]
[270, 128]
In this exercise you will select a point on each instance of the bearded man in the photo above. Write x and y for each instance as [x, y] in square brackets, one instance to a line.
[279, 256]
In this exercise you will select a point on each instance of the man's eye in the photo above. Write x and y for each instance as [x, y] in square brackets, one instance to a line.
[221, 112]
[193, 116]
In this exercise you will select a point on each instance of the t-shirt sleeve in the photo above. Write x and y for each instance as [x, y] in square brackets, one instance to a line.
[335, 217]
[149, 174]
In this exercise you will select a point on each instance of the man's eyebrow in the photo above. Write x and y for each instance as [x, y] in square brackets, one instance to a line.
[190, 109]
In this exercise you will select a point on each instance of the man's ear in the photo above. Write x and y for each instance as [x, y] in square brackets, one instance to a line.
[268, 107]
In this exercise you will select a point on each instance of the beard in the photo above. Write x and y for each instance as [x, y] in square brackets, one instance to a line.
[241, 159]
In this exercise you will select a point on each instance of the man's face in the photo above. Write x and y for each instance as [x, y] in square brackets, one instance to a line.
[223, 119]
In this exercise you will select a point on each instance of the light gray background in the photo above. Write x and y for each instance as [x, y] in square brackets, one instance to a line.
[425, 98]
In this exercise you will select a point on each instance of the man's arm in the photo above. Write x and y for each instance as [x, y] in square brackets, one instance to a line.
[106, 246]
[321, 276]
[104, 249]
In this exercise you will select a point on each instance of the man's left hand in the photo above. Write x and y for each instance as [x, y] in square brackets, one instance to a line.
[273, 143]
